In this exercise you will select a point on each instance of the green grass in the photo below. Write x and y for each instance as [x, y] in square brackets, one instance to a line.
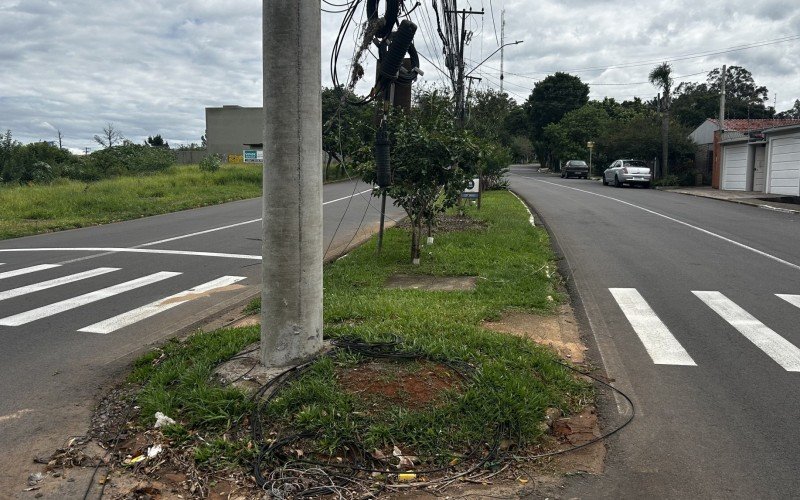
[514, 383]
[69, 204]
[66, 204]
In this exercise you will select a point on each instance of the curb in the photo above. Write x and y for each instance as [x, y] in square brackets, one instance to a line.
[738, 202]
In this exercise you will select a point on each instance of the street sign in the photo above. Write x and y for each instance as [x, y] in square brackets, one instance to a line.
[253, 155]
[473, 189]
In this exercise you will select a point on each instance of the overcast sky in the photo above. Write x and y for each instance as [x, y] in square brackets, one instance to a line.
[152, 66]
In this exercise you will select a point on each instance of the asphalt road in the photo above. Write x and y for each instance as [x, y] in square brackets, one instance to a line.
[58, 292]
[680, 304]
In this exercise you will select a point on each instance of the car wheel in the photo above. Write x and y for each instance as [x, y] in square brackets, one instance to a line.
[562, 175]
[617, 183]
[605, 182]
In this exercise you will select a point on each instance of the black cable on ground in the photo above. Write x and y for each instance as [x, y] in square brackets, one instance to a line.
[391, 350]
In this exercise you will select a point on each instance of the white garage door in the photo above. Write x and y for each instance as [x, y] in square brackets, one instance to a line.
[734, 168]
[784, 175]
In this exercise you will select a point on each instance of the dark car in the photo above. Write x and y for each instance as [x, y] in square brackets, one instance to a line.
[577, 168]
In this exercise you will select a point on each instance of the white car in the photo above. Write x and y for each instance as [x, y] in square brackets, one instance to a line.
[631, 172]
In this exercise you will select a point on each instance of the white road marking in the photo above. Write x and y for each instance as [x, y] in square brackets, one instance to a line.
[82, 300]
[704, 231]
[135, 250]
[140, 313]
[530, 219]
[792, 299]
[659, 342]
[776, 347]
[15, 415]
[26, 270]
[24, 290]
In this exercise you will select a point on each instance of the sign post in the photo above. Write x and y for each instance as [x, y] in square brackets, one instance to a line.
[590, 145]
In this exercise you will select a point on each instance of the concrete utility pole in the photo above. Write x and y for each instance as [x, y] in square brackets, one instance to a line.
[460, 91]
[502, 45]
[291, 296]
[722, 100]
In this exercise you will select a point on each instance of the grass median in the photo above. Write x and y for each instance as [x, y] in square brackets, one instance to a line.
[455, 391]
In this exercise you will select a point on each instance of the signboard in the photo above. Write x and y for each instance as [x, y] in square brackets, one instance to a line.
[253, 155]
[473, 190]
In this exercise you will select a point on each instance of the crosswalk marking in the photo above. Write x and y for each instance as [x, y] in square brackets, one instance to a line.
[135, 315]
[24, 290]
[776, 347]
[81, 300]
[26, 270]
[660, 344]
[792, 299]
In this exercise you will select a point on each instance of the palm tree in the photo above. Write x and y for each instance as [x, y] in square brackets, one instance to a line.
[660, 77]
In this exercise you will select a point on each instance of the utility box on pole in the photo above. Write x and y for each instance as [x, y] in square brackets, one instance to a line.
[291, 296]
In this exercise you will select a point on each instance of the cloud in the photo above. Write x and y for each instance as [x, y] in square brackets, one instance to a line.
[152, 66]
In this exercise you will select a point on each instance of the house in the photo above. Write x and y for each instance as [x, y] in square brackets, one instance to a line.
[761, 155]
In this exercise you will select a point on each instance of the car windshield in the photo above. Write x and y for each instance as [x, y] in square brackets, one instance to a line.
[578, 163]
[636, 163]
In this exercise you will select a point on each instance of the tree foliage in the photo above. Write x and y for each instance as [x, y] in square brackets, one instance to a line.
[432, 160]
[793, 112]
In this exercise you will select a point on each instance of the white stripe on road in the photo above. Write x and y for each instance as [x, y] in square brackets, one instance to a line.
[82, 300]
[704, 231]
[24, 290]
[26, 270]
[660, 344]
[792, 299]
[138, 314]
[776, 347]
[134, 250]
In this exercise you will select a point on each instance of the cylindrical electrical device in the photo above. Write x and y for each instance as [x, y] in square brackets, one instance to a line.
[401, 41]
[382, 162]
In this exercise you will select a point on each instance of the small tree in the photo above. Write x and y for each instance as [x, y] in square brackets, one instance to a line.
[157, 141]
[432, 162]
[110, 137]
[661, 77]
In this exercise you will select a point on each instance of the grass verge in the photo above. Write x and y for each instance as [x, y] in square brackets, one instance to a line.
[506, 396]
[66, 204]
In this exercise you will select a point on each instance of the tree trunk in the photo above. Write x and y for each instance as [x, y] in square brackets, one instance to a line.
[416, 231]
[327, 166]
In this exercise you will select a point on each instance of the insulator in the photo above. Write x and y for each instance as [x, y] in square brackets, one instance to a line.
[401, 41]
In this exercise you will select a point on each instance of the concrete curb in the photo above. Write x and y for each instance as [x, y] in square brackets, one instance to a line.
[759, 204]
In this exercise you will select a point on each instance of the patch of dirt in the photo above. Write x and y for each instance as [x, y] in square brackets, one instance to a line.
[449, 223]
[413, 385]
[559, 332]
[432, 283]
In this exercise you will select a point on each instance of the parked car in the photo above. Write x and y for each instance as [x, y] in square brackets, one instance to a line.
[578, 168]
[631, 172]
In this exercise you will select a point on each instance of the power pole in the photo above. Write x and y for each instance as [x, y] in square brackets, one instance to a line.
[502, 45]
[722, 99]
[291, 295]
[460, 94]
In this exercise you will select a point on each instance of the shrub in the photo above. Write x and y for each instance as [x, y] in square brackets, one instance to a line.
[129, 159]
[211, 163]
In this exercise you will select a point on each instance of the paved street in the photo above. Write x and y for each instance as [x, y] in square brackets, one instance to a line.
[692, 306]
[77, 306]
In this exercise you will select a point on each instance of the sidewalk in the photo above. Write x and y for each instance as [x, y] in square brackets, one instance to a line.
[754, 198]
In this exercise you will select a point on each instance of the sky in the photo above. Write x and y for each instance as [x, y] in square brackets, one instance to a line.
[152, 66]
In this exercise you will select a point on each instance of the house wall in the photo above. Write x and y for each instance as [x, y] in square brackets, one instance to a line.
[230, 127]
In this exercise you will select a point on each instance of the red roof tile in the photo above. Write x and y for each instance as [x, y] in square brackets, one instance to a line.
[744, 125]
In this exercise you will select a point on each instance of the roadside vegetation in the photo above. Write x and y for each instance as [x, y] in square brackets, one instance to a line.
[487, 388]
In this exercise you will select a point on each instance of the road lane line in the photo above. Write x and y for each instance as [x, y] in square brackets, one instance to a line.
[661, 345]
[146, 311]
[24, 290]
[776, 347]
[704, 231]
[26, 270]
[82, 300]
[111, 250]
[792, 299]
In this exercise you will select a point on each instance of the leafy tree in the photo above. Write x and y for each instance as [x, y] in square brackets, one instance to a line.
[157, 142]
[521, 149]
[661, 77]
[550, 100]
[432, 161]
[111, 136]
[345, 127]
[568, 137]
[793, 112]
[488, 112]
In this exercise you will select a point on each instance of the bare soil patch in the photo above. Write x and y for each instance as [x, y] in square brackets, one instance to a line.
[450, 223]
[412, 385]
[432, 283]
